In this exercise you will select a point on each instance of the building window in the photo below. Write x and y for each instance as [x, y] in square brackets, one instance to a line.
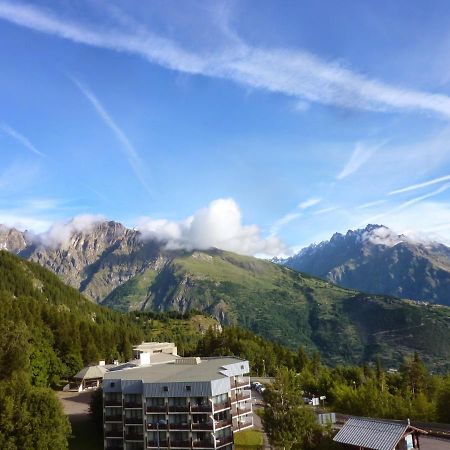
[112, 384]
[188, 388]
[166, 388]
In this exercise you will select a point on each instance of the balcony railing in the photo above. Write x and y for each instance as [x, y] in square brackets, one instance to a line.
[154, 444]
[243, 396]
[133, 420]
[206, 408]
[203, 426]
[243, 410]
[180, 444]
[134, 437]
[156, 408]
[223, 423]
[242, 383]
[178, 408]
[203, 444]
[132, 404]
[224, 441]
[113, 433]
[219, 406]
[113, 402]
[154, 426]
[242, 425]
[180, 426]
[114, 418]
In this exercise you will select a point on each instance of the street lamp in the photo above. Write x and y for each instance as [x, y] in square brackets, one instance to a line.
[160, 422]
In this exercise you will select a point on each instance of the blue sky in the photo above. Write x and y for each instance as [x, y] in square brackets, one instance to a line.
[252, 125]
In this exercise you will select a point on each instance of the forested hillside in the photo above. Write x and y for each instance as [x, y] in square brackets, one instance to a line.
[292, 308]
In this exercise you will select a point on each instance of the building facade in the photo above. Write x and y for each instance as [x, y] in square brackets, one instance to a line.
[190, 403]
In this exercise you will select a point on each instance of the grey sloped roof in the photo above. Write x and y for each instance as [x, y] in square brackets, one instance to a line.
[91, 372]
[371, 433]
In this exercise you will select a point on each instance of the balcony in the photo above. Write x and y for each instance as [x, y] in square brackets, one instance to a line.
[113, 433]
[154, 444]
[179, 426]
[241, 411]
[203, 426]
[156, 408]
[243, 425]
[241, 383]
[243, 396]
[201, 408]
[223, 423]
[114, 418]
[224, 441]
[133, 405]
[113, 402]
[134, 437]
[220, 406]
[203, 444]
[180, 444]
[152, 426]
[179, 408]
[133, 420]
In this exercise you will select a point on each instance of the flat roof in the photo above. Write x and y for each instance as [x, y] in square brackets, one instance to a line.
[207, 370]
[153, 345]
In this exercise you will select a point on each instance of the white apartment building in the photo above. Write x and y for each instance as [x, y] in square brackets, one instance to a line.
[188, 403]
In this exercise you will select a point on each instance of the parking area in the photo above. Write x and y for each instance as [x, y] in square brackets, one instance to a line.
[430, 443]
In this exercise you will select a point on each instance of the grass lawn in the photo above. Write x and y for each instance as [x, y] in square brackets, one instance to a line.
[248, 440]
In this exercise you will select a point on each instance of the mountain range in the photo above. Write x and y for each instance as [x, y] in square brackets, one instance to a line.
[118, 268]
[377, 260]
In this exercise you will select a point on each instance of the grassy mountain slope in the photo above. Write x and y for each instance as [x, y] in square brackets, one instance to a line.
[291, 308]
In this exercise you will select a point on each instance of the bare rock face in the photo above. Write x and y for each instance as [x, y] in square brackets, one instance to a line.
[378, 261]
[94, 261]
[12, 240]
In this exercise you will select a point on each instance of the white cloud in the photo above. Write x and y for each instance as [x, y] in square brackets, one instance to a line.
[420, 185]
[59, 234]
[408, 204]
[130, 152]
[20, 138]
[218, 225]
[282, 221]
[309, 203]
[360, 155]
[292, 72]
[325, 210]
[371, 204]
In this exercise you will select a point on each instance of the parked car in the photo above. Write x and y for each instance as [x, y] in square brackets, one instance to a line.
[260, 388]
[255, 384]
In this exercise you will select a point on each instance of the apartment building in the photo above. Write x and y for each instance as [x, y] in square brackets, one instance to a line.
[189, 403]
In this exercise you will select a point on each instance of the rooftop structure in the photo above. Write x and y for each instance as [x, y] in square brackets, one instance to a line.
[365, 433]
[185, 404]
[155, 347]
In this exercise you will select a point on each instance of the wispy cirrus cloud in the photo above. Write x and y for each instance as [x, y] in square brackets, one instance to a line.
[20, 138]
[407, 204]
[371, 204]
[309, 203]
[127, 147]
[360, 155]
[414, 187]
[295, 73]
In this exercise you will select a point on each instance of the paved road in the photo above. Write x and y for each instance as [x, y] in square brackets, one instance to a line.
[75, 404]
[257, 402]
[430, 443]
